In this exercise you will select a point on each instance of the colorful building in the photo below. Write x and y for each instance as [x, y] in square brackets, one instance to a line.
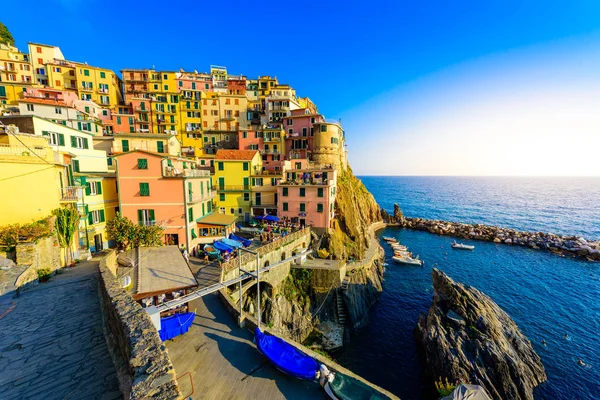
[307, 193]
[233, 173]
[157, 189]
[156, 143]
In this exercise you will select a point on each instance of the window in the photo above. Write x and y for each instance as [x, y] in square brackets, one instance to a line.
[302, 192]
[245, 135]
[285, 191]
[102, 75]
[105, 113]
[165, 76]
[30, 107]
[38, 49]
[86, 72]
[146, 217]
[323, 128]
[160, 147]
[166, 87]
[40, 60]
[79, 142]
[2, 91]
[302, 207]
[320, 207]
[96, 216]
[257, 181]
[220, 166]
[232, 210]
[304, 132]
[76, 165]
[221, 196]
[93, 188]
[144, 189]
[246, 196]
[142, 163]
[285, 206]
[56, 139]
[320, 192]
[190, 214]
[245, 166]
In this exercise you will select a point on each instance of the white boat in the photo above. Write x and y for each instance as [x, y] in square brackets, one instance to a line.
[396, 246]
[389, 239]
[461, 246]
[402, 253]
[407, 260]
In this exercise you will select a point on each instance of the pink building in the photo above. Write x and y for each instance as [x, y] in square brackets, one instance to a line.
[299, 133]
[155, 189]
[307, 194]
[269, 142]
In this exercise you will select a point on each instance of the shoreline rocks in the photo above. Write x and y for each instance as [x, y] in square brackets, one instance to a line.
[575, 246]
[467, 337]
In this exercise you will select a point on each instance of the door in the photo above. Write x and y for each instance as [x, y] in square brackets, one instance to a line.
[221, 183]
[98, 242]
[258, 199]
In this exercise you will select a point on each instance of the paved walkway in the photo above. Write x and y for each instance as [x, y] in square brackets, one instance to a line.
[372, 251]
[221, 358]
[51, 342]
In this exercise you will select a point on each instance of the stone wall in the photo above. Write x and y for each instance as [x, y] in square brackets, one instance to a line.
[140, 357]
[45, 253]
[251, 323]
[27, 279]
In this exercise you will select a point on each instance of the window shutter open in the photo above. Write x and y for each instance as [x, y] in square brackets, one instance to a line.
[90, 219]
[78, 126]
[88, 189]
[151, 214]
[61, 139]
[85, 143]
[99, 187]
[140, 216]
[74, 139]
[102, 219]
[45, 133]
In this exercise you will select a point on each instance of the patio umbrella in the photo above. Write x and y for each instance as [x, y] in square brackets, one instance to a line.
[271, 218]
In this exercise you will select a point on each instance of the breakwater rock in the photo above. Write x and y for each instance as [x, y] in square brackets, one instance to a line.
[467, 337]
[575, 246]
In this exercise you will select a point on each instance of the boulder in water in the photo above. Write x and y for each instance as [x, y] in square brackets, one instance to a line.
[466, 337]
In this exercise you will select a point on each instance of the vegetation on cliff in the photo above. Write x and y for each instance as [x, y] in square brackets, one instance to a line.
[355, 210]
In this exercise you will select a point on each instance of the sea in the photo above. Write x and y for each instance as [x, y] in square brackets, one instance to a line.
[547, 295]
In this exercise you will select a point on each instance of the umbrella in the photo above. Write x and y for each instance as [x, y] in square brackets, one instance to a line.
[271, 218]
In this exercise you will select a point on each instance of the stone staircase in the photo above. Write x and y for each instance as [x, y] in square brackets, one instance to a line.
[341, 314]
[345, 282]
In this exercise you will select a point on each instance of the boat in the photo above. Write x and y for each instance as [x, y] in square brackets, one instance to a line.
[234, 244]
[389, 239]
[461, 246]
[399, 247]
[402, 253]
[286, 357]
[222, 247]
[175, 325]
[407, 260]
[211, 251]
[252, 231]
[344, 387]
[240, 239]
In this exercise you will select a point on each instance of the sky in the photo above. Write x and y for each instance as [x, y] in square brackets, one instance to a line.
[422, 88]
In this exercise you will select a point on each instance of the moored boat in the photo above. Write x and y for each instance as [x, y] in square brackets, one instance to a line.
[399, 247]
[389, 239]
[407, 260]
[344, 387]
[211, 251]
[461, 246]
[286, 357]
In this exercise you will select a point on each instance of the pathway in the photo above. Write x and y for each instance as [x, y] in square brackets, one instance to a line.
[372, 251]
[52, 345]
[221, 358]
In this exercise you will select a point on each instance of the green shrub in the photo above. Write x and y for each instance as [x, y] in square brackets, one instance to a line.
[444, 388]
[44, 274]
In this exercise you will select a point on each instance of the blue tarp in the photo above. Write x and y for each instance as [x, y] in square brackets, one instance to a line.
[286, 357]
[259, 217]
[222, 247]
[271, 218]
[175, 325]
[234, 244]
[245, 242]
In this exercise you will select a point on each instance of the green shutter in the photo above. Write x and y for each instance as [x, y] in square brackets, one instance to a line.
[285, 206]
[61, 139]
[88, 189]
[79, 125]
[125, 145]
[285, 191]
[302, 192]
[2, 91]
[76, 165]
[160, 147]
[45, 133]
[191, 214]
[169, 162]
[82, 180]
[302, 207]
[74, 140]
[246, 182]
[144, 189]
[320, 192]
[90, 219]
[151, 215]
[194, 234]
[102, 219]
[99, 187]
[140, 216]
[245, 166]
[85, 143]
[142, 163]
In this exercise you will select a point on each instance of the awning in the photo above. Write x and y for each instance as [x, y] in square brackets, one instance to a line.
[222, 247]
[217, 219]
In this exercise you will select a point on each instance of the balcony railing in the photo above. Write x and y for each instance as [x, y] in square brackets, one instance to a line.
[70, 193]
[195, 198]
[233, 188]
[263, 203]
[271, 151]
[300, 182]
[140, 109]
[173, 172]
[17, 150]
[152, 223]
[258, 172]
[86, 88]
[272, 138]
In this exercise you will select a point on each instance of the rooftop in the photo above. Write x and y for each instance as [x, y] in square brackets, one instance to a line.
[50, 102]
[162, 269]
[235, 155]
[217, 219]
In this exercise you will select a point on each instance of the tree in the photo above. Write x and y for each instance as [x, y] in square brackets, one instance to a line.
[5, 35]
[127, 234]
[67, 220]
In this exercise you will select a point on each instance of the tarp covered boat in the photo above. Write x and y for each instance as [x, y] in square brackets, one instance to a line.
[468, 392]
[211, 251]
[286, 357]
[242, 240]
[344, 387]
[252, 231]
[175, 325]
[222, 247]
[234, 244]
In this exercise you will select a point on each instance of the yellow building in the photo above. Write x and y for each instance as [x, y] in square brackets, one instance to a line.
[224, 112]
[101, 201]
[16, 74]
[39, 56]
[233, 173]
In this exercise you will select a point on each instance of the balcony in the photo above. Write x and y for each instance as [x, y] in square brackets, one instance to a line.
[271, 151]
[258, 172]
[171, 111]
[70, 193]
[233, 188]
[141, 121]
[137, 79]
[86, 89]
[228, 118]
[141, 109]
[261, 203]
[196, 198]
[272, 139]
[172, 172]
[17, 150]
[167, 122]
[152, 223]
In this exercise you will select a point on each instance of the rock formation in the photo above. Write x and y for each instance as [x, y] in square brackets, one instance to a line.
[575, 246]
[467, 337]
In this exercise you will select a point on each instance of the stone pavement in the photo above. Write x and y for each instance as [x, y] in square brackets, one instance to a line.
[52, 345]
[221, 358]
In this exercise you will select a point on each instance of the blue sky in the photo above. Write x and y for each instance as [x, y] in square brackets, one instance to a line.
[388, 69]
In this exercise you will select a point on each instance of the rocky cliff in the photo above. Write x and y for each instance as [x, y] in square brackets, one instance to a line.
[364, 289]
[467, 337]
[355, 210]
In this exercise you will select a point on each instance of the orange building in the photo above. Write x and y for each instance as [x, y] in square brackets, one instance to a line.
[156, 189]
